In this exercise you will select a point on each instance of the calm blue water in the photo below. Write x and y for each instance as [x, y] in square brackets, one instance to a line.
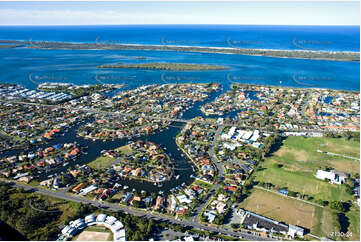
[341, 38]
[30, 66]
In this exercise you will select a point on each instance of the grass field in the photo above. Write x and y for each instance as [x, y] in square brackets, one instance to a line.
[124, 149]
[289, 211]
[101, 162]
[300, 160]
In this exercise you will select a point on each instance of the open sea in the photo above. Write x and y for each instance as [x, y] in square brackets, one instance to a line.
[30, 67]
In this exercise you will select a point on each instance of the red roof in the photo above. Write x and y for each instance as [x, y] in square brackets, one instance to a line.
[230, 188]
[196, 188]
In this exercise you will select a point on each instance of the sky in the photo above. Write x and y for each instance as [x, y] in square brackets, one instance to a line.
[201, 12]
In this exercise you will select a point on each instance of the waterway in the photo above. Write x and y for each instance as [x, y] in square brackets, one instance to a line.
[166, 138]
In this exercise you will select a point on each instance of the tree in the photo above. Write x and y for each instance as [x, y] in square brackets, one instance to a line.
[337, 205]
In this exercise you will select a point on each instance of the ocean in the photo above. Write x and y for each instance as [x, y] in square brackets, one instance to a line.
[30, 67]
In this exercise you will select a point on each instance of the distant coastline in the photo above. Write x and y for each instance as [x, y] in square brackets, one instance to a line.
[296, 54]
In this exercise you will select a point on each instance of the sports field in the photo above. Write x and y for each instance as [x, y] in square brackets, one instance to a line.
[300, 160]
[93, 236]
[317, 220]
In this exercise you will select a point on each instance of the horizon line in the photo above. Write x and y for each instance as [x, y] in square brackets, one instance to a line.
[33, 25]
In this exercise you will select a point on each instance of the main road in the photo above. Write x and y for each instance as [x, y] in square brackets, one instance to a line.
[116, 208]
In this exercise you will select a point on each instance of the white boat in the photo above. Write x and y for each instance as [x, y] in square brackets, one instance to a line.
[66, 163]
[177, 177]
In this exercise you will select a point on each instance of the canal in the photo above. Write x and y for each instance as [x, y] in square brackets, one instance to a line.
[166, 138]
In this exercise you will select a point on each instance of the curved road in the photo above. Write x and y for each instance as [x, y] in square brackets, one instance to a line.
[115, 207]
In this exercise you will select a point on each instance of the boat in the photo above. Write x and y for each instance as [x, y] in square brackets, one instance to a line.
[66, 163]
[177, 177]
[154, 183]
[160, 185]
[126, 187]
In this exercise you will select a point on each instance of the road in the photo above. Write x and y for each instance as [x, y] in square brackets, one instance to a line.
[116, 208]
[304, 106]
[214, 188]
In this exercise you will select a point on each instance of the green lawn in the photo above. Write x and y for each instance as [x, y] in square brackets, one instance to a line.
[300, 160]
[124, 149]
[101, 162]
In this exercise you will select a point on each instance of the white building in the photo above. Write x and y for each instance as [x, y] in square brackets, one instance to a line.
[295, 230]
[85, 191]
[333, 176]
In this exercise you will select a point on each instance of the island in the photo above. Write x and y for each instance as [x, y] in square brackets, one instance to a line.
[166, 66]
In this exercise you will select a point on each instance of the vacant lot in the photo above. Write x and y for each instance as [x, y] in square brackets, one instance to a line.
[280, 208]
[124, 149]
[300, 160]
[289, 211]
[101, 162]
[93, 236]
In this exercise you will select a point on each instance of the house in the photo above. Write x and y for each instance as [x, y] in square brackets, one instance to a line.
[295, 230]
[101, 217]
[87, 190]
[110, 220]
[90, 218]
[333, 176]
[159, 203]
[78, 187]
[211, 216]
[220, 207]
[25, 179]
[184, 199]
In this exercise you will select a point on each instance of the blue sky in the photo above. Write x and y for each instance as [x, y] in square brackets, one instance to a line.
[222, 12]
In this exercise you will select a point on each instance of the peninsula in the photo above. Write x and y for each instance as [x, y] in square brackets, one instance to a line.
[296, 54]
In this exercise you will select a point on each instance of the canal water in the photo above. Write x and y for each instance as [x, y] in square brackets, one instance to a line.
[166, 138]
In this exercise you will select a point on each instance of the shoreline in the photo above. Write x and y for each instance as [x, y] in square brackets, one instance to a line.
[284, 53]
